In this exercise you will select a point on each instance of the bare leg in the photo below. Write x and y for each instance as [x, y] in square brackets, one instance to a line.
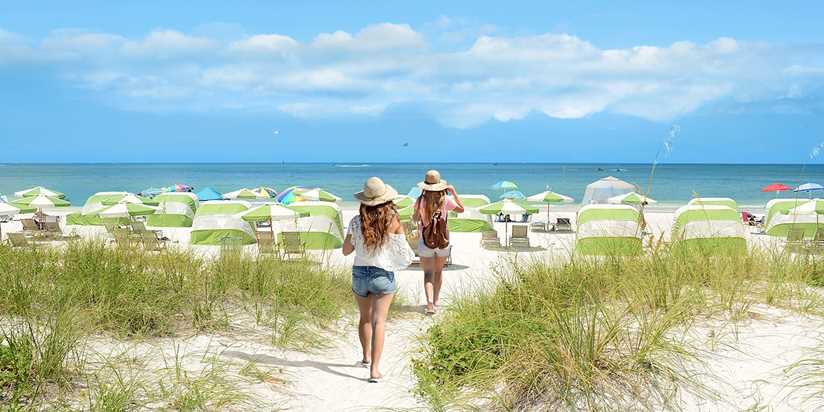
[437, 279]
[428, 263]
[380, 308]
[365, 326]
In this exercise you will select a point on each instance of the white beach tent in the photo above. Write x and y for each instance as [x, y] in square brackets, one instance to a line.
[712, 229]
[782, 217]
[601, 190]
[176, 209]
[608, 230]
[218, 221]
[320, 227]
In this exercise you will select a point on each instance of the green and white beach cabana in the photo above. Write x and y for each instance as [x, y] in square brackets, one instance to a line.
[125, 210]
[710, 229]
[216, 222]
[471, 220]
[714, 201]
[37, 191]
[320, 224]
[88, 214]
[176, 209]
[780, 220]
[608, 230]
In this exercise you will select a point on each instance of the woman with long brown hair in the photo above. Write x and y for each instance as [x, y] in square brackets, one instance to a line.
[377, 238]
[432, 208]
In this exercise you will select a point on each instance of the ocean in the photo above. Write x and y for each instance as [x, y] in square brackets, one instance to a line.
[671, 184]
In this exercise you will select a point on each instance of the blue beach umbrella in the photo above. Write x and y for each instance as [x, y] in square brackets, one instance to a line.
[505, 185]
[209, 194]
[809, 188]
[414, 192]
[512, 194]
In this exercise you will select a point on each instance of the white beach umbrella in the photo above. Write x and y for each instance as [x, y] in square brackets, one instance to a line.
[127, 210]
[7, 210]
[37, 191]
[631, 198]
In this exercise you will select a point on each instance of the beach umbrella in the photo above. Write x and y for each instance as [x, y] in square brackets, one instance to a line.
[209, 194]
[631, 198]
[809, 188]
[153, 191]
[601, 190]
[246, 194]
[498, 207]
[126, 210]
[549, 197]
[37, 191]
[403, 201]
[272, 193]
[7, 210]
[41, 202]
[302, 194]
[505, 185]
[415, 192]
[776, 187]
[127, 198]
[512, 194]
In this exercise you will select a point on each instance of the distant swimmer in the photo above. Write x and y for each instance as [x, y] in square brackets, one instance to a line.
[405, 145]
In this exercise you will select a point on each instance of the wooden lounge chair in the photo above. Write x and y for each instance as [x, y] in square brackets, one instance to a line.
[121, 237]
[489, 240]
[519, 236]
[563, 224]
[17, 239]
[30, 226]
[292, 244]
[266, 243]
[52, 230]
[795, 241]
[151, 243]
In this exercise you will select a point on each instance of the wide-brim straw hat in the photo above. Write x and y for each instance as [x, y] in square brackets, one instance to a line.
[376, 192]
[432, 182]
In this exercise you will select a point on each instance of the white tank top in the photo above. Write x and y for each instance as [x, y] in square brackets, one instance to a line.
[393, 255]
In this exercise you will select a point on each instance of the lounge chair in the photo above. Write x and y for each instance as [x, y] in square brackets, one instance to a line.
[121, 237]
[563, 224]
[29, 225]
[151, 243]
[292, 244]
[52, 230]
[266, 243]
[489, 240]
[519, 236]
[17, 239]
[817, 244]
[795, 240]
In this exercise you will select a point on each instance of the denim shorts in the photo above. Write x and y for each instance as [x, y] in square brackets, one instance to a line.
[372, 279]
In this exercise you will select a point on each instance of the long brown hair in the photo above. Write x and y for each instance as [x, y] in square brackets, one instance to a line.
[432, 202]
[375, 222]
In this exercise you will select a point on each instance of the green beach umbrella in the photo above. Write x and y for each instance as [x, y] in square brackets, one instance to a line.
[247, 194]
[126, 210]
[37, 191]
[126, 198]
[631, 198]
[508, 204]
[9, 209]
[41, 202]
[403, 201]
[549, 197]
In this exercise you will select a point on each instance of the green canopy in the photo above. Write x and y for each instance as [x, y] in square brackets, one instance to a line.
[265, 213]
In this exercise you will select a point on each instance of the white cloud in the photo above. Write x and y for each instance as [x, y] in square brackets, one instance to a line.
[491, 78]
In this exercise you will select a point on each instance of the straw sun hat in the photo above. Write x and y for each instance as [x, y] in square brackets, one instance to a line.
[376, 192]
[432, 182]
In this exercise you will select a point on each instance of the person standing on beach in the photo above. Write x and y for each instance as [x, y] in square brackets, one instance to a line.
[377, 238]
[432, 209]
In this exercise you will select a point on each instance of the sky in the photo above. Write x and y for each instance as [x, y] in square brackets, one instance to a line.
[535, 81]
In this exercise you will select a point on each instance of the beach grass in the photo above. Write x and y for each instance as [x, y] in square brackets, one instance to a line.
[53, 297]
[599, 333]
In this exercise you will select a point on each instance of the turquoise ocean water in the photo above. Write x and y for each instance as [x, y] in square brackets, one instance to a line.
[672, 183]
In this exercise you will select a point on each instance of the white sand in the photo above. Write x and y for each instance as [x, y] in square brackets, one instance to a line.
[747, 366]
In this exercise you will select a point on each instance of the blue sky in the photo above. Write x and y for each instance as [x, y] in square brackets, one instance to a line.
[98, 81]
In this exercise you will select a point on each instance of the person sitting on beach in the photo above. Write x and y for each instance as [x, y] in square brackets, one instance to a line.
[377, 238]
[431, 211]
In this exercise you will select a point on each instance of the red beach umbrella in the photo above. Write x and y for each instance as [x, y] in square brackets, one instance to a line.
[776, 187]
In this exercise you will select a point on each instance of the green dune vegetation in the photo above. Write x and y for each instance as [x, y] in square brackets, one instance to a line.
[52, 299]
[603, 333]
